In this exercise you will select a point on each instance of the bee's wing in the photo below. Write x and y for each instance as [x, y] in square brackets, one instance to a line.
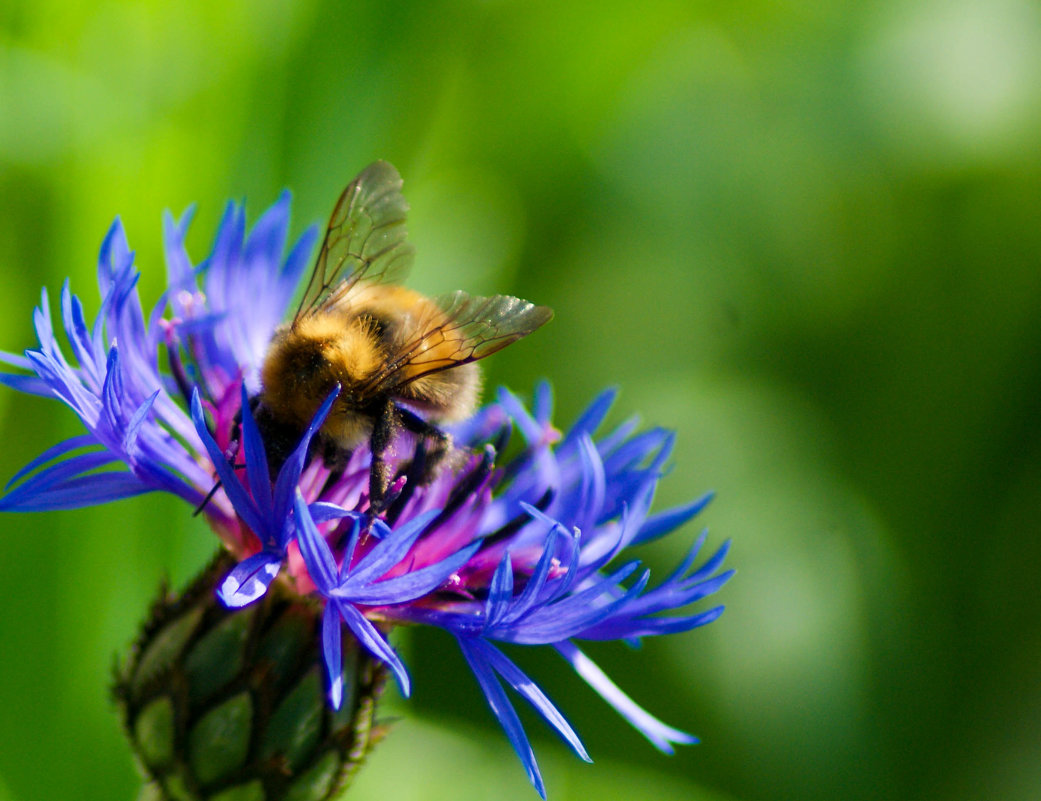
[366, 239]
[465, 329]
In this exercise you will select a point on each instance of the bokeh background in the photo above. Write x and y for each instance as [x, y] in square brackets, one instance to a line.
[805, 235]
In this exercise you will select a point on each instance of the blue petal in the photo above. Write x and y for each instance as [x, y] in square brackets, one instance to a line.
[371, 638]
[591, 418]
[69, 445]
[516, 678]
[133, 426]
[222, 263]
[392, 549]
[500, 592]
[411, 585]
[713, 562]
[115, 257]
[632, 630]
[313, 547]
[233, 488]
[256, 461]
[249, 579]
[571, 616]
[57, 475]
[29, 384]
[78, 492]
[661, 736]
[332, 652]
[267, 239]
[594, 482]
[112, 392]
[532, 592]
[15, 360]
[76, 329]
[529, 427]
[606, 445]
[179, 273]
[632, 627]
[542, 404]
[322, 512]
[502, 709]
[664, 522]
[296, 262]
[632, 452]
[64, 384]
[289, 475]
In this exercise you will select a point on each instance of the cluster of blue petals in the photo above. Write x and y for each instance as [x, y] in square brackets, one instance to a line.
[537, 554]
[223, 309]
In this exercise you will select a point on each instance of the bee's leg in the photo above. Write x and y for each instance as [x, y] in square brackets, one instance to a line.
[438, 442]
[280, 439]
[413, 474]
[385, 429]
[334, 458]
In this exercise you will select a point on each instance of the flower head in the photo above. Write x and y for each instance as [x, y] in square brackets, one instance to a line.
[528, 551]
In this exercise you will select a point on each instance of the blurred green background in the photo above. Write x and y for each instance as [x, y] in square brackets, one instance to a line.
[805, 235]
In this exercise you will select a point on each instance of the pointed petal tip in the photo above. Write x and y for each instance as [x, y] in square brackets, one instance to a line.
[249, 580]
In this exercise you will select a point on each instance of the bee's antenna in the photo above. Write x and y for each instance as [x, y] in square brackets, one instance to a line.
[207, 499]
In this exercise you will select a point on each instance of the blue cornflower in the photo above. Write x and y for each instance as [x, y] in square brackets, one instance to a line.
[532, 551]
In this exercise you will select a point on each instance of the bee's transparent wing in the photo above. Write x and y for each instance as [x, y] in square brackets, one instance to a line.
[366, 239]
[467, 328]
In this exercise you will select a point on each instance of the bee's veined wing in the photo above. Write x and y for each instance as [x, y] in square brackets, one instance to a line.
[366, 239]
[467, 328]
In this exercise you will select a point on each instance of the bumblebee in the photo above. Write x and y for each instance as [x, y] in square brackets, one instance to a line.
[403, 361]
